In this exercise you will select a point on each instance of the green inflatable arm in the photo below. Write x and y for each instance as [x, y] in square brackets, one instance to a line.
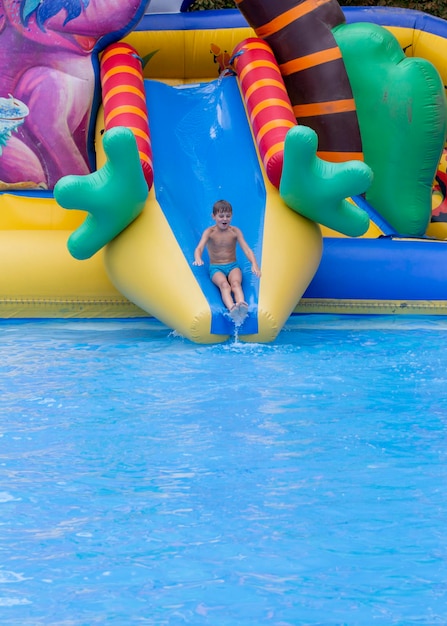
[113, 196]
[318, 189]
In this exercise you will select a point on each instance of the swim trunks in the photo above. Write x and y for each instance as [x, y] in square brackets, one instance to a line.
[225, 268]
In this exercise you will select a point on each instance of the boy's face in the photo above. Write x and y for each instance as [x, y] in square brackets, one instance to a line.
[222, 219]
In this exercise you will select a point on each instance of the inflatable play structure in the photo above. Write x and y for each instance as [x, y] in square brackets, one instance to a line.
[121, 126]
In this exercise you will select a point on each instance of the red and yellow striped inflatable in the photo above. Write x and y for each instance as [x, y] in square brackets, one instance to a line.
[300, 36]
[267, 102]
[124, 99]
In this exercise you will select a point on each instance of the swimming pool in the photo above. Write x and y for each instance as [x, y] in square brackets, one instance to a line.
[149, 480]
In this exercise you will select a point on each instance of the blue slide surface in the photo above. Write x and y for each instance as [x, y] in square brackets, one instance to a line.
[203, 151]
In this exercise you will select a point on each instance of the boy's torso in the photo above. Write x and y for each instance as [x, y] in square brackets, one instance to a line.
[222, 245]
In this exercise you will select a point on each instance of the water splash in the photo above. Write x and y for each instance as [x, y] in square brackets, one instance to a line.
[238, 317]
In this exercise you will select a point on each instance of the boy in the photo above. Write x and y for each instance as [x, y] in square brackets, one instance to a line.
[225, 272]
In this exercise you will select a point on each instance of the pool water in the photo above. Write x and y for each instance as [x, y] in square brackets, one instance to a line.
[149, 480]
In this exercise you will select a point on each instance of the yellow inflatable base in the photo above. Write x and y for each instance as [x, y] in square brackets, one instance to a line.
[40, 279]
[330, 306]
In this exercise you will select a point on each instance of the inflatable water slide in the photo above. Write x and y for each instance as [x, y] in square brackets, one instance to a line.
[128, 125]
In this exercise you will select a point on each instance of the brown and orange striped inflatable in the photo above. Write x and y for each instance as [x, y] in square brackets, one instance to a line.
[299, 33]
[124, 99]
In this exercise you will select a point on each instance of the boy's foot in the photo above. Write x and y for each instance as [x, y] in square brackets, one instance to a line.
[239, 312]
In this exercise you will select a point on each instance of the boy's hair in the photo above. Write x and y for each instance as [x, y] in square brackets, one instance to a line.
[222, 206]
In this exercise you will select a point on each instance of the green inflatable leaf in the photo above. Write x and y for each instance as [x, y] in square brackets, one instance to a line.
[402, 113]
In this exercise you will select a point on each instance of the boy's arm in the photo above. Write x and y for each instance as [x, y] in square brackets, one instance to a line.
[248, 252]
[201, 247]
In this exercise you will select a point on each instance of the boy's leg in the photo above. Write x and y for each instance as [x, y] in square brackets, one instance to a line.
[220, 280]
[235, 280]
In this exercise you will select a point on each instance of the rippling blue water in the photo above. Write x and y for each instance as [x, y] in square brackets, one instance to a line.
[148, 480]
